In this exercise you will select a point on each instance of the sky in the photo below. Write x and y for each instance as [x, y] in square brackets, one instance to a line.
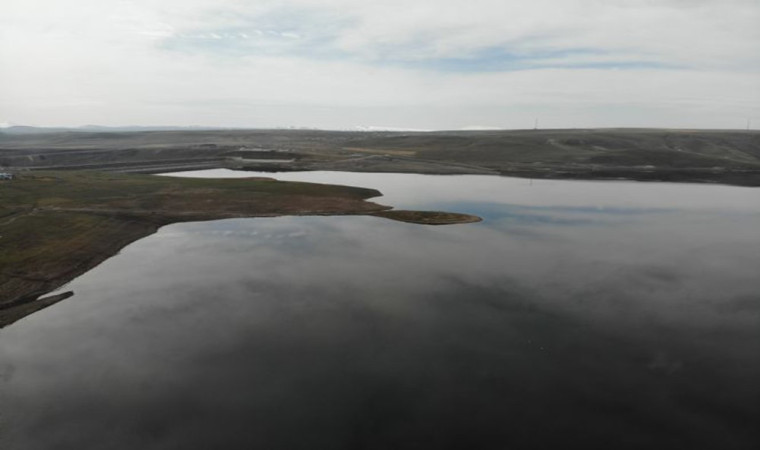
[381, 64]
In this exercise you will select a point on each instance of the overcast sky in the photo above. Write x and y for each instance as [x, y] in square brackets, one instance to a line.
[413, 64]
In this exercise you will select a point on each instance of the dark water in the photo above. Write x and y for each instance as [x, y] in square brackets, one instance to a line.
[578, 315]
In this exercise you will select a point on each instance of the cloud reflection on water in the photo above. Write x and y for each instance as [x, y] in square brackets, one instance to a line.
[632, 327]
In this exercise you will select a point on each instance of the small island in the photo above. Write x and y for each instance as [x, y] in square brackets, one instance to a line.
[57, 225]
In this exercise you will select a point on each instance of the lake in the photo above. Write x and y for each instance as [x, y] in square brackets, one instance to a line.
[577, 314]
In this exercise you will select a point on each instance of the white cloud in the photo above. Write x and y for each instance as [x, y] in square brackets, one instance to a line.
[409, 64]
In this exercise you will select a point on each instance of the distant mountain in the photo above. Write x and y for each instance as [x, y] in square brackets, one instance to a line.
[23, 129]
[8, 128]
[371, 128]
[106, 129]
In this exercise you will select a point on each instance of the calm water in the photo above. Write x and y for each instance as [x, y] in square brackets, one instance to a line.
[578, 314]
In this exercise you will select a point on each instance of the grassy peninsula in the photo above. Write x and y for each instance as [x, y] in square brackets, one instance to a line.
[54, 226]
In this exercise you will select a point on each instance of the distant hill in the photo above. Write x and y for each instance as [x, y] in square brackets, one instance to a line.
[24, 129]
[641, 154]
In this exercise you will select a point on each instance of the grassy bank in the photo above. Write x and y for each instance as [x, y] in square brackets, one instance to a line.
[55, 226]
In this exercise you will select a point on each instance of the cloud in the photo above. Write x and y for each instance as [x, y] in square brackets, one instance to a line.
[407, 64]
[515, 34]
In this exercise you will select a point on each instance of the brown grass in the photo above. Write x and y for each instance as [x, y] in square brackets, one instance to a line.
[56, 226]
[428, 217]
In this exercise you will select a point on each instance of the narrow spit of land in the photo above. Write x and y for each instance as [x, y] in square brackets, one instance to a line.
[428, 217]
[55, 226]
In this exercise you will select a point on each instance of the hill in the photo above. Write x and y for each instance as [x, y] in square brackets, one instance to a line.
[731, 157]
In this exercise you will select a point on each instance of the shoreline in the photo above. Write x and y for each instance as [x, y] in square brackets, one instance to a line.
[81, 219]
[740, 178]
[730, 157]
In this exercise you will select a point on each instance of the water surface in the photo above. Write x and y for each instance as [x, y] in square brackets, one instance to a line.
[578, 314]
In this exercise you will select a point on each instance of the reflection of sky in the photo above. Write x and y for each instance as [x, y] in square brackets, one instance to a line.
[545, 215]
[558, 318]
[411, 191]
